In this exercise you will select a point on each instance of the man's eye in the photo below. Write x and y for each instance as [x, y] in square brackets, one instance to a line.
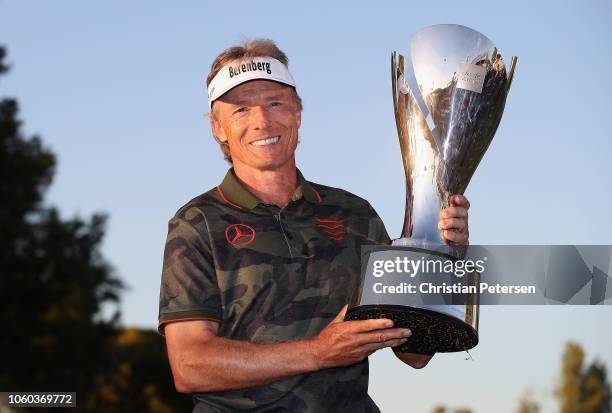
[240, 110]
[275, 103]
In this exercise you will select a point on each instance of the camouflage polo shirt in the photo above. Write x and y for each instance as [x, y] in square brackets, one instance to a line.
[270, 275]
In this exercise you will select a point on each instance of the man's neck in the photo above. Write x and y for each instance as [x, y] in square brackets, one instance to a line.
[270, 186]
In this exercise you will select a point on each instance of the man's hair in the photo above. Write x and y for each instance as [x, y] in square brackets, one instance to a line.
[248, 50]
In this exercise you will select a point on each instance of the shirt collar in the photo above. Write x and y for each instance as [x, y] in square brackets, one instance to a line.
[234, 191]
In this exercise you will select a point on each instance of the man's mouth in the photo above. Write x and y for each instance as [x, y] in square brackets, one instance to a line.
[266, 141]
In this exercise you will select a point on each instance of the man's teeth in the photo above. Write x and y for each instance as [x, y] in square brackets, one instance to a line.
[267, 141]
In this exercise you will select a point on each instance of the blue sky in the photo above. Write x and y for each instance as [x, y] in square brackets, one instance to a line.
[116, 89]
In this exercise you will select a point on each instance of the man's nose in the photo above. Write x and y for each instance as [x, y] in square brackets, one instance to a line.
[260, 117]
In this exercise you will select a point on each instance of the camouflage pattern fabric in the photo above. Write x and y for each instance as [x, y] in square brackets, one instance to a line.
[269, 275]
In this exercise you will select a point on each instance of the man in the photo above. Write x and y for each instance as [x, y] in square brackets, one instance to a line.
[258, 271]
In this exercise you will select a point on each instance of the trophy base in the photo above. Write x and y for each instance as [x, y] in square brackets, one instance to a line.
[432, 332]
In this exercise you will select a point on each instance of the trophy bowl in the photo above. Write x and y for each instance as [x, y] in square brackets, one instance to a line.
[448, 95]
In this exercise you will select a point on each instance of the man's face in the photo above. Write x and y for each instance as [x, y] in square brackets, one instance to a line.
[260, 121]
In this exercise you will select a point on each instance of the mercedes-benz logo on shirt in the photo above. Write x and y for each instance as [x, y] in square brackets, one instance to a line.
[239, 235]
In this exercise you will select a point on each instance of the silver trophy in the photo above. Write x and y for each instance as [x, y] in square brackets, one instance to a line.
[449, 96]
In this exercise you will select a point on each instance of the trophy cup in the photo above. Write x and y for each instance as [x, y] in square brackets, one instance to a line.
[449, 96]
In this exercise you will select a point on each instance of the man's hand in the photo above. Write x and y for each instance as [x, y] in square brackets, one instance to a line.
[453, 222]
[343, 343]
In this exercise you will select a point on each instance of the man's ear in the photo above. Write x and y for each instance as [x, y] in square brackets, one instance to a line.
[299, 118]
[217, 128]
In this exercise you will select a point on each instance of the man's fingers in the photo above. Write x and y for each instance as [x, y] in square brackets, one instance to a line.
[460, 200]
[456, 224]
[360, 326]
[372, 347]
[454, 212]
[383, 336]
[363, 326]
[453, 221]
[459, 238]
[340, 317]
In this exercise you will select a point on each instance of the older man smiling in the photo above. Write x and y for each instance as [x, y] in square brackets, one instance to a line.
[258, 271]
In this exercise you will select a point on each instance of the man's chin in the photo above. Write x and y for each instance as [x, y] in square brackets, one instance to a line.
[271, 166]
[272, 161]
[267, 164]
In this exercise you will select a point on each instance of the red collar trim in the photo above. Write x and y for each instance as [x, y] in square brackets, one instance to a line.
[225, 199]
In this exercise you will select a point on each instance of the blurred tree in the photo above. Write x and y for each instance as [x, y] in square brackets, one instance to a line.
[583, 390]
[527, 404]
[3, 67]
[54, 283]
[595, 390]
[53, 277]
[141, 378]
[568, 390]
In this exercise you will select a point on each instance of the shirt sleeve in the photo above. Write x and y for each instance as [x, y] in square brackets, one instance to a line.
[189, 288]
[376, 228]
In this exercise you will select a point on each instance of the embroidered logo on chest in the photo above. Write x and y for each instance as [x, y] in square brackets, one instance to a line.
[239, 235]
[333, 228]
